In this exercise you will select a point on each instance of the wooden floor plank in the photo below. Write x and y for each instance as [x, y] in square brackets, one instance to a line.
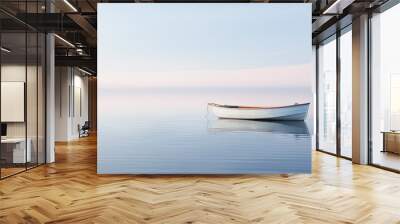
[70, 191]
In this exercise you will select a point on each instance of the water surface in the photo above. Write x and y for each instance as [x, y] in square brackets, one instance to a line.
[170, 131]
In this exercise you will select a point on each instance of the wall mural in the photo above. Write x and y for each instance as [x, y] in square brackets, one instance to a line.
[204, 88]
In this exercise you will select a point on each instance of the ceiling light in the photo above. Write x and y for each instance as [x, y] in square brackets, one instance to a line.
[5, 50]
[65, 41]
[326, 11]
[79, 51]
[70, 5]
[337, 7]
[84, 71]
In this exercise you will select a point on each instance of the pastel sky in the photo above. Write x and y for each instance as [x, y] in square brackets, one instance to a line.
[162, 45]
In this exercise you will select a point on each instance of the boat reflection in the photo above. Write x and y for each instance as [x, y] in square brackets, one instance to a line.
[281, 127]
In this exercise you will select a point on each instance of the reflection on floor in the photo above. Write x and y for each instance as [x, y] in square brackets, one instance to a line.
[11, 169]
[70, 191]
[387, 159]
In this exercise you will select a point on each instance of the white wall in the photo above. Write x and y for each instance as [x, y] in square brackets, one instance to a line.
[70, 83]
[62, 82]
[79, 117]
[34, 125]
[12, 73]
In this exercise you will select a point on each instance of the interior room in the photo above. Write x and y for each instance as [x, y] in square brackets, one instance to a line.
[71, 100]
[175, 139]
[22, 103]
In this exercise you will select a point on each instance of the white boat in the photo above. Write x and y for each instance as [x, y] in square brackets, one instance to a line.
[295, 112]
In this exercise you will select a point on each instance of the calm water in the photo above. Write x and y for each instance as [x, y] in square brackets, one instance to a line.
[170, 131]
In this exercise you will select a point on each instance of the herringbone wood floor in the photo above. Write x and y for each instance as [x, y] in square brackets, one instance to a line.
[70, 191]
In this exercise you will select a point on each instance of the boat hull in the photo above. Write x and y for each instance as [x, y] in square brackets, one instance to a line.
[297, 112]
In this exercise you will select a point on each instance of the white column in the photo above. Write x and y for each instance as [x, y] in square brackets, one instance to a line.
[50, 92]
[50, 99]
[62, 103]
[360, 90]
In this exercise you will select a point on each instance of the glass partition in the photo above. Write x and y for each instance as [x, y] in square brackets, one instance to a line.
[327, 96]
[385, 89]
[346, 93]
[31, 99]
[22, 101]
[14, 155]
[41, 97]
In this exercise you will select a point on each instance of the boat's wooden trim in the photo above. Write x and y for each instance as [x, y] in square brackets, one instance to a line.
[253, 107]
